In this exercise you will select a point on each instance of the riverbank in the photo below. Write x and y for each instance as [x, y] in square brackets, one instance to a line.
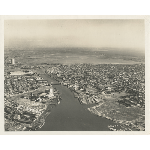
[126, 118]
[70, 115]
[28, 111]
[39, 122]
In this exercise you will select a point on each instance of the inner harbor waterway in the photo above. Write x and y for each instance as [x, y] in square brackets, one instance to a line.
[70, 115]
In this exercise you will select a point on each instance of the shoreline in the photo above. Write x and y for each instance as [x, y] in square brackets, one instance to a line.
[40, 120]
[123, 124]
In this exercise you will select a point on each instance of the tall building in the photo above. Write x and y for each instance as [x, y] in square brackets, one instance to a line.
[12, 61]
[51, 93]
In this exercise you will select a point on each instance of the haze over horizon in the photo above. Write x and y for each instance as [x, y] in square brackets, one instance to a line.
[100, 33]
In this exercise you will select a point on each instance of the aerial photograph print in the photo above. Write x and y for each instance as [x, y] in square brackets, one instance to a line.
[74, 75]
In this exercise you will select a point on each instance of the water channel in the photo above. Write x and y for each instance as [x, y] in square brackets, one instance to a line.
[70, 115]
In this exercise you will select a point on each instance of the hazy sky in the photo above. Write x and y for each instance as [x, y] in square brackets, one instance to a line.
[74, 33]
